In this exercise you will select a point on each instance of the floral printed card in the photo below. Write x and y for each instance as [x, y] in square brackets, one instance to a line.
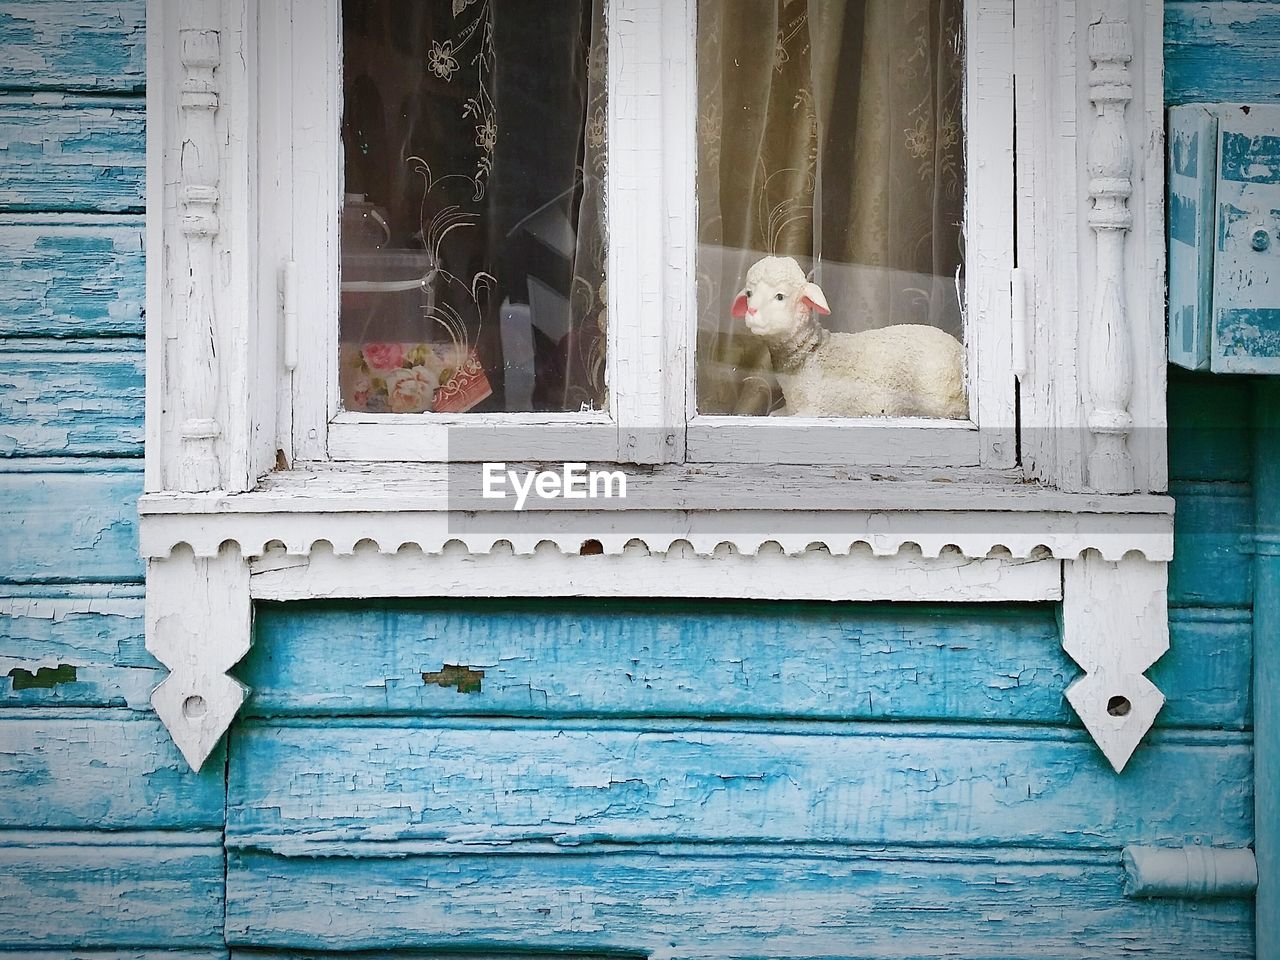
[394, 377]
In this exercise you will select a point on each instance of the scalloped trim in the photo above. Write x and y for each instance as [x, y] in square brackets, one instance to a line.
[1010, 537]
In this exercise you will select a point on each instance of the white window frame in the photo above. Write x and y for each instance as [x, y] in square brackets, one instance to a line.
[249, 495]
[651, 349]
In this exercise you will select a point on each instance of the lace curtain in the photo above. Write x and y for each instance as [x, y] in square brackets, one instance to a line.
[477, 130]
[831, 131]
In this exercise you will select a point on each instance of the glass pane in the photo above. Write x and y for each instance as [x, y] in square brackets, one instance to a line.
[830, 140]
[473, 233]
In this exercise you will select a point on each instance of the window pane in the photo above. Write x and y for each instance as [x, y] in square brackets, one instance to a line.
[830, 136]
[473, 234]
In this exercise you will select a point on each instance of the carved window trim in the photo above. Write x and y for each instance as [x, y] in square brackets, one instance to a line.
[1082, 521]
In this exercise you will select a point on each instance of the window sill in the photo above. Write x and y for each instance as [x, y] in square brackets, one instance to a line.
[706, 508]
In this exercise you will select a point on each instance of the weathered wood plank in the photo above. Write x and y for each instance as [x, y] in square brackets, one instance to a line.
[1221, 51]
[87, 45]
[69, 522]
[68, 153]
[69, 276]
[715, 904]
[1206, 675]
[872, 783]
[71, 398]
[707, 659]
[1210, 418]
[1212, 554]
[100, 769]
[121, 893]
[74, 652]
[153, 953]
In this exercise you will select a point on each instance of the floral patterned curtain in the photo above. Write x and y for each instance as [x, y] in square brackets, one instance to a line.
[831, 131]
[474, 138]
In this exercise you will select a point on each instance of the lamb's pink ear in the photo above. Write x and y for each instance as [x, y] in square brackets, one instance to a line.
[740, 305]
[813, 298]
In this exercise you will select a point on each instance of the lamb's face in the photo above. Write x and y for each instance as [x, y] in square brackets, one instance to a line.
[778, 299]
[771, 311]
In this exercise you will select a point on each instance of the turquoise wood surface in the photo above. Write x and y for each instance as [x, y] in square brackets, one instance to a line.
[71, 153]
[134, 891]
[1222, 50]
[1210, 427]
[71, 275]
[86, 651]
[69, 521]
[1267, 665]
[99, 769]
[79, 397]
[692, 781]
[889, 903]
[97, 45]
[852, 661]
[1212, 555]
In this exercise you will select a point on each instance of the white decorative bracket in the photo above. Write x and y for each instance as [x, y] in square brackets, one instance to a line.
[1115, 624]
[199, 616]
[1108, 338]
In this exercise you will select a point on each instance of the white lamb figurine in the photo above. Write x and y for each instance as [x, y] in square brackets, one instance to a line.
[907, 370]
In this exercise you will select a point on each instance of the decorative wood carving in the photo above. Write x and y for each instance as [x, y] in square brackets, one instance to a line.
[1108, 338]
[1115, 624]
[197, 372]
[198, 625]
[1192, 873]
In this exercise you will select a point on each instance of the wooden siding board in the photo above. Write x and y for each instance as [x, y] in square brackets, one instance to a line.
[848, 783]
[1221, 51]
[1210, 424]
[61, 152]
[1206, 676]
[59, 525]
[71, 276]
[77, 398]
[97, 45]
[70, 897]
[103, 770]
[83, 651]
[708, 905]
[1212, 545]
[711, 659]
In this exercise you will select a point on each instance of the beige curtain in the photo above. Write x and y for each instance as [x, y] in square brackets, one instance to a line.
[831, 131]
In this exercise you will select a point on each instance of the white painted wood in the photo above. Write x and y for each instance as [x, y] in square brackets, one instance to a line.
[206, 350]
[679, 571]
[1193, 873]
[378, 487]
[637, 208]
[198, 615]
[894, 443]
[1108, 341]
[430, 521]
[1048, 222]
[989, 227]
[1115, 624]
[194, 304]
[305, 41]
[426, 438]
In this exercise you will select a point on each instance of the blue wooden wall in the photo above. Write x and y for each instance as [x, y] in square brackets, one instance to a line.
[805, 780]
[108, 846]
